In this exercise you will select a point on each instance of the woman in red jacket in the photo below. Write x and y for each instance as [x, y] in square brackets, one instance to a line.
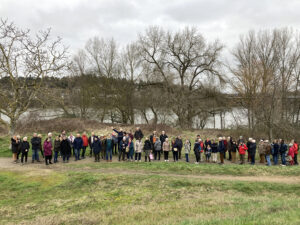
[242, 150]
[291, 154]
[296, 148]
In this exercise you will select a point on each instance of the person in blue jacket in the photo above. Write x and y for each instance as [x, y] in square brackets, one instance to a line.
[221, 150]
[275, 151]
[120, 135]
[109, 148]
[282, 151]
[77, 144]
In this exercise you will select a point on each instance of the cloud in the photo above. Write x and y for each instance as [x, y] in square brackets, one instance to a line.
[78, 20]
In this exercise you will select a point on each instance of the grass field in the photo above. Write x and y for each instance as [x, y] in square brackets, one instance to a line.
[143, 193]
[85, 192]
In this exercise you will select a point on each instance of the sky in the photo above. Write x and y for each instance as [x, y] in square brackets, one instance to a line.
[78, 20]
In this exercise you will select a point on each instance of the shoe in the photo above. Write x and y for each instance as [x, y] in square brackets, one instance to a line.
[50, 163]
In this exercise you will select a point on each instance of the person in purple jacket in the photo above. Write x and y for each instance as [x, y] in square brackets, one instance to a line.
[48, 150]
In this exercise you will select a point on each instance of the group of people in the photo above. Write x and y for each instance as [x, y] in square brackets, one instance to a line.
[129, 146]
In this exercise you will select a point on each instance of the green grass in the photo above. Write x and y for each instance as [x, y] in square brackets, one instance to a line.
[91, 197]
[201, 169]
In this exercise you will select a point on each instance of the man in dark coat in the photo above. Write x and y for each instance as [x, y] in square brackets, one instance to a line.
[179, 144]
[35, 145]
[138, 135]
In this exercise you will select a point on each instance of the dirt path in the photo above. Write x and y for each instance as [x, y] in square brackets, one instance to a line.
[36, 168]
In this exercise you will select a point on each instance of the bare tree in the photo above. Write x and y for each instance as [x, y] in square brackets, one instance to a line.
[25, 61]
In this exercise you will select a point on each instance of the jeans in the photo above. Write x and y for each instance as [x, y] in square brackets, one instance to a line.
[35, 154]
[83, 151]
[55, 157]
[268, 160]
[77, 154]
[108, 154]
[283, 162]
[138, 156]
[252, 157]
[186, 157]
[175, 156]
[66, 157]
[156, 155]
[166, 155]
[275, 159]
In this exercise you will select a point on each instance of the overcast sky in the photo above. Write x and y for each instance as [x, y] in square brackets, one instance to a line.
[77, 20]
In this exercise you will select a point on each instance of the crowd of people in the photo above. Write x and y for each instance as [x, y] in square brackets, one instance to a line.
[129, 146]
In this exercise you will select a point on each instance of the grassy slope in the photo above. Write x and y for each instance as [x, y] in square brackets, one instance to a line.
[91, 197]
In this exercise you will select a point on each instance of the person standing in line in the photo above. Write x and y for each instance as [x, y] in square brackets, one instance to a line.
[19, 147]
[242, 150]
[275, 152]
[163, 137]
[56, 148]
[130, 150]
[35, 145]
[157, 149]
[291, 154]
[120, 135]
[115, 149]
[109, 148]
[122, 149]
[214, 151]
[103, 147]
[282, 151]
[252, 151]
[296, 148]
[268, 151]
[261, 151]
[233, 151]
[248, 146]
[221, 150]
[41, 147]
[85, 141]
[179, 145]
[24, 149]
[71, 139]
[91, 141]
[197, 149]
[65, 148]
[187, 149]
[77, 144]
[14, 147]
[138, 150]
[96, 149]
[48, 150]
[229, 144]
[147, 149]
[166, 149]
[208, 153]
[225, 146]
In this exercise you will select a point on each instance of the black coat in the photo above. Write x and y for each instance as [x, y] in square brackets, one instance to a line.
[25, 146]
[36, 143]
[147, 145]
[65, 147]
[97, 146]
[163, 138]
[15, 147]
[252, 148]
[178, 144]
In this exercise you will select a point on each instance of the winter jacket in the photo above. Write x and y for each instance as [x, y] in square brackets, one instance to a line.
[85, 141]
[91, 140]
[25, 146]
[97, 146]
[138, 146]
[178, 143]
[35, 143]
[275, 149]
[162, 138]
[282, 148]
[131, 148]
[252, 149]
[214, 148]
[15, 146]
[65, 147]
[57, 145]
[147, 145]
[187, 148]
[207, 143]
[197, 147]
[268, 149]
[78, 143]
[138, 134]
[157, 145]
[291, 152]
[221, 147]
[242, 149]
[233, 147]
[103, 144]
[166, 146]
[47, 148]
[261, 148]
[114, 139]
[109, 144]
